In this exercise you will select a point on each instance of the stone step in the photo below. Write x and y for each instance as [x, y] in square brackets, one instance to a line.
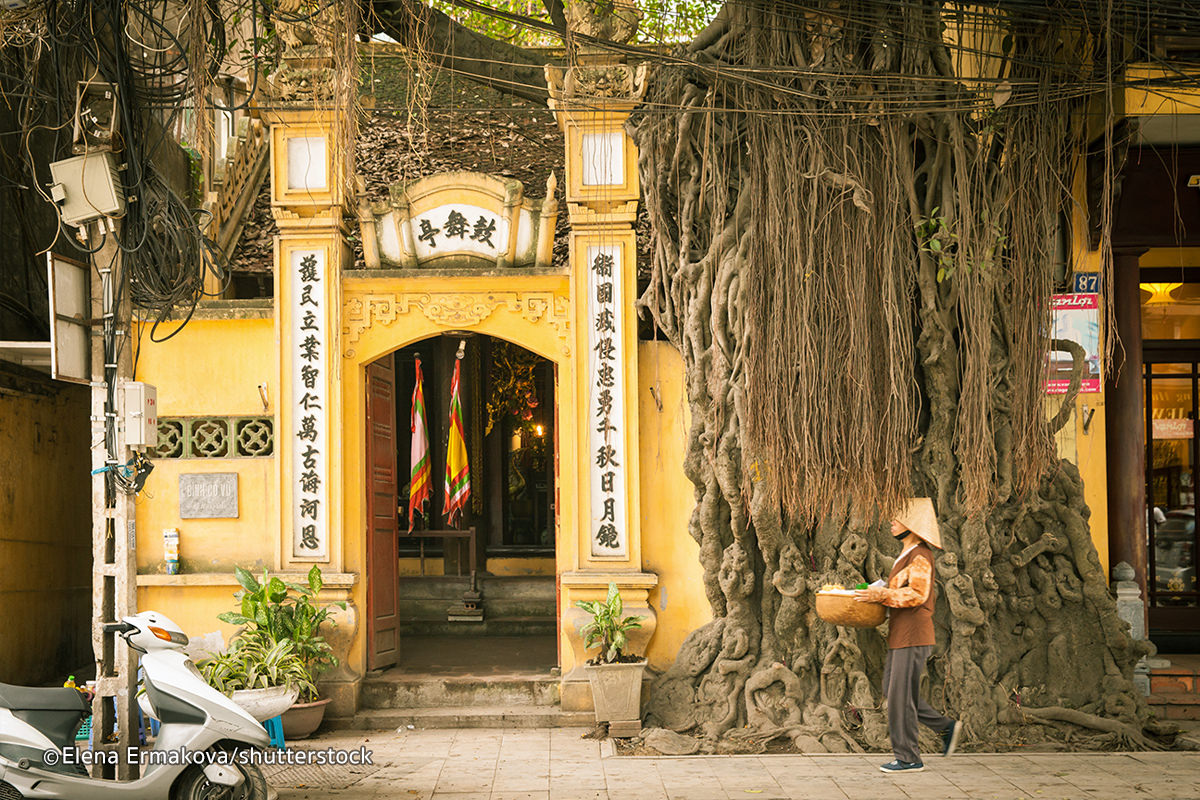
[392, 690]
[452, 586]
[1177, 674]
[1175, 705]
[491, 626]
[1163, 682]
[466, 717]
[428, 598]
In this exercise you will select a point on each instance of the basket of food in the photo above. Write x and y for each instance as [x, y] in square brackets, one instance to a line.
[838, 606]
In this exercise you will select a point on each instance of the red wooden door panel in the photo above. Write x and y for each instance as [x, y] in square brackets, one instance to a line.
[383, 640]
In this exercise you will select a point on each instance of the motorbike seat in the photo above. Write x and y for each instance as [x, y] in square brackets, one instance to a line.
[24, 698]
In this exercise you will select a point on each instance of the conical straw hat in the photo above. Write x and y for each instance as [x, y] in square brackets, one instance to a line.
[918, 516]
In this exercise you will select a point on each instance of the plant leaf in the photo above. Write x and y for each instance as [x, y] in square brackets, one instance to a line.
[245, 579]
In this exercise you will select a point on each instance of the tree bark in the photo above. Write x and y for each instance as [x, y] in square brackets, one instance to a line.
[859, 283]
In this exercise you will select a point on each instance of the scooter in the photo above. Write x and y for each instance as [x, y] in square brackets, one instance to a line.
[202, 752]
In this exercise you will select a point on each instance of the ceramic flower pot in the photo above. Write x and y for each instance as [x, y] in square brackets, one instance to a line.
[302, 719]
[265, 704]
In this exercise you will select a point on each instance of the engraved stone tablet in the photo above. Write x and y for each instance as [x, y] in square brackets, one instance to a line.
[208, 495]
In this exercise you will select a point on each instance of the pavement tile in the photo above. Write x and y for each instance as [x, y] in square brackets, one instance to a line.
[637, 793]
[558, 765]
[816, 789]
[568, 792]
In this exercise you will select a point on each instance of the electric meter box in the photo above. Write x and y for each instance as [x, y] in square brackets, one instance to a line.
[87, 187]
[139, 410]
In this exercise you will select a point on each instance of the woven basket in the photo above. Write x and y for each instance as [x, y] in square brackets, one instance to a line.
[840, 608]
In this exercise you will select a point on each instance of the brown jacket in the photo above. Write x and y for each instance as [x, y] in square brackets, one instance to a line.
[910, 597]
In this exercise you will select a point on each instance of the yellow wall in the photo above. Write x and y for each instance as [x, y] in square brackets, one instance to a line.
[193, 608]
[1087, 450]
[211, 368]
[46, 535]
[667, 501]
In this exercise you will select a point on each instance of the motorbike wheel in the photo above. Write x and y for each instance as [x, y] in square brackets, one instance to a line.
[193, 785]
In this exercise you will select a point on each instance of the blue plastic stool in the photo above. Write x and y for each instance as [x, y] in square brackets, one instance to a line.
[274, 727]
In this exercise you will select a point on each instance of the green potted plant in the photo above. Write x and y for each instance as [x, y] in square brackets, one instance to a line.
[615, 677]
[276, 611]
[261, 676]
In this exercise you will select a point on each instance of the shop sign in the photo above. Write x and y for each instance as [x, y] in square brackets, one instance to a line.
[1172, 429]
[1076, 317]
[310, 406]
[606, 405]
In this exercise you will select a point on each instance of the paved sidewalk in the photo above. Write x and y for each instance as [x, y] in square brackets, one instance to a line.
[556, 764]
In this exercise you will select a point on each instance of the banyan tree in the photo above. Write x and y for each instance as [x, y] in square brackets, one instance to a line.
[854, 210]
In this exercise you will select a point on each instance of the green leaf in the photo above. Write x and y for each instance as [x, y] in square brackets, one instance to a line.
[232, 618]
[941, 275]
[935, 245]
[245, 579]
[276, 590]
[314, 579]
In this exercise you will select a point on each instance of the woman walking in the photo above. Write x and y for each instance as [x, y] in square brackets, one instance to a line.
[909, 597]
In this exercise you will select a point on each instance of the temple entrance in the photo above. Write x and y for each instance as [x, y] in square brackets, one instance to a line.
[507, 399]
[425, 566]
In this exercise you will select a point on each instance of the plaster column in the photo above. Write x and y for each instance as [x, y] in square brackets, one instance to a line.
[592, 100]
[310, 192]
[1125, 432]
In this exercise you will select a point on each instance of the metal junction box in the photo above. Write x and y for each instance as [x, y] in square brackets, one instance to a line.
[139, 410]
[87, 187]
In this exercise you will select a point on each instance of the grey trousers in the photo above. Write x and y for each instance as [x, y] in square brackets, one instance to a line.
[902, 689]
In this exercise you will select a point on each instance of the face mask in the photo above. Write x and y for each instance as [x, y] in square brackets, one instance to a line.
[901, 536]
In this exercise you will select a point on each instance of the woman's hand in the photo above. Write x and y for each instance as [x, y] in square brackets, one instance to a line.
[872, 594]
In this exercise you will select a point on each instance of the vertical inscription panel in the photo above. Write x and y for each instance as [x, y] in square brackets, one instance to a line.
[609, 519]
[309, 321]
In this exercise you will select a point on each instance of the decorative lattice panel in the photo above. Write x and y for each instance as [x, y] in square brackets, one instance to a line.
[255, 437]
[215, 437]
[171, 440]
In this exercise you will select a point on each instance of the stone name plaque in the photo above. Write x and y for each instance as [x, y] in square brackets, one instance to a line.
[208, 495]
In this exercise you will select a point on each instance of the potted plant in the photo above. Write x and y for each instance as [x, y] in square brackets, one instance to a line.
[615, 677]
[278, 612]
[261, 676]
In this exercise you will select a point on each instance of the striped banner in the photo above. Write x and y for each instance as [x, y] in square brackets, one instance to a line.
[458, 473]
[421, 485]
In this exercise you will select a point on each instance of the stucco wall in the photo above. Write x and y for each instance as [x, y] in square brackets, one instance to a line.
[213, 367]
[45, 539]
[667, 501]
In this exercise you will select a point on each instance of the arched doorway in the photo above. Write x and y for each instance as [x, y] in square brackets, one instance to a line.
[502, 546]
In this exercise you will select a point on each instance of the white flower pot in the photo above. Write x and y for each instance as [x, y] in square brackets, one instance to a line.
[265, 704]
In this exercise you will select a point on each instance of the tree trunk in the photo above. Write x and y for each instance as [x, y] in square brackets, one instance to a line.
[852, 252]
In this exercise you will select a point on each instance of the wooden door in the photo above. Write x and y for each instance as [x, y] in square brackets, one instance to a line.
[383, 638]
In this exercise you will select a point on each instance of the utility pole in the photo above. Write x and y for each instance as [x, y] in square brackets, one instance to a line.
[114, 568]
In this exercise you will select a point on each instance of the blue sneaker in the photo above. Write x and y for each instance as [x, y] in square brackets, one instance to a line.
[950, 738]
[902, 766]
